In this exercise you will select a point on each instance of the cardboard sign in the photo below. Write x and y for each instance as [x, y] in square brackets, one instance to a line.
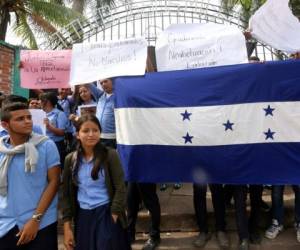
[95, 61]
[45, 69]
[38, 116]
[189, 46]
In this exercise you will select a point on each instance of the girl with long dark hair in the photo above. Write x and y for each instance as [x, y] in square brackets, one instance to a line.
[82, 96]
[94, 193]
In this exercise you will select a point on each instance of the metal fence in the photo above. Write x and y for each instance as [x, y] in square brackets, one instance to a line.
[146, 18]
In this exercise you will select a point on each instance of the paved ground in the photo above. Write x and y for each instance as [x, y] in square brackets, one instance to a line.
[179, 229]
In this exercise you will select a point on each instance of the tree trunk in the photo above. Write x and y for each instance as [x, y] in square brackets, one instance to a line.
[4, 20]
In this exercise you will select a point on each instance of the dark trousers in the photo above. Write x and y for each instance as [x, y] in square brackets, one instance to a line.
[218, 202]
[255, 192]
[277, 203]
[240, 197]
[45, 239]
[147, 193]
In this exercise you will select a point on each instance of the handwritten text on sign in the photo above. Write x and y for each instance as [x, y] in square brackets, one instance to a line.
[95, 61]
[45, 69]
[188, 46]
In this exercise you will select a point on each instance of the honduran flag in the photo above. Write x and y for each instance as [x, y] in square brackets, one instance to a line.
[234, 124]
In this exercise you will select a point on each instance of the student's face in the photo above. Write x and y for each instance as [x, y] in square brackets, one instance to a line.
[34, 104]
[85, 94]
[63, 92]
[88, 134]
[107, 85]
[19, 123]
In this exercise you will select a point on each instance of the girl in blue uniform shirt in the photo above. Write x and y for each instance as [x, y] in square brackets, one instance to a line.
[94, 193]
[83, 96]
[56, 121]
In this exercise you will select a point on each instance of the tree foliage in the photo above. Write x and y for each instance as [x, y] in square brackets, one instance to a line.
[34, 18]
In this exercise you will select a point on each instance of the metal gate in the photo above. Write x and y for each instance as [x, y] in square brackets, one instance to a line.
[147, 18]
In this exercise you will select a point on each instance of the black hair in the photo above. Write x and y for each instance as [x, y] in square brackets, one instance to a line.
[52, 98]
[77, 98]
[100, 151]
[13, 98]
[7, 108]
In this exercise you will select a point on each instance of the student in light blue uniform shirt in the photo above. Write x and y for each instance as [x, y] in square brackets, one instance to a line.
[105, 114]
[28, 195]
[94, 193]
[56, 122]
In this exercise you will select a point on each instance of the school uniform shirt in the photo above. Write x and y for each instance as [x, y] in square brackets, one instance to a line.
[66, 106]
[3, 132]
[59, 120]
[91, 193]
[106, 116]
[25, 189]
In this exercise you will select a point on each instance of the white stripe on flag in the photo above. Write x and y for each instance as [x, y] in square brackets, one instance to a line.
[165, 126]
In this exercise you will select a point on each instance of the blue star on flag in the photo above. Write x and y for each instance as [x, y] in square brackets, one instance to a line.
[269, 134]
[228, 125]
[187, 138]
[269, 111]
[186, 115]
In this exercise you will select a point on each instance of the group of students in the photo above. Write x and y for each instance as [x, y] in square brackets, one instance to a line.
[94, 192]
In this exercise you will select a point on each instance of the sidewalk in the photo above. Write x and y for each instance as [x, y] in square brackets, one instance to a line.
[179, 228]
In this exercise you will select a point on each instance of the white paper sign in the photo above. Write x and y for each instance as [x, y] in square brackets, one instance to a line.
[188, 46]
[94, 61]
[38, 116]
[87, 109]
[274, 24]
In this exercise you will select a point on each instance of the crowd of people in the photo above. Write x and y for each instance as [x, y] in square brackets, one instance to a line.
[77, 151]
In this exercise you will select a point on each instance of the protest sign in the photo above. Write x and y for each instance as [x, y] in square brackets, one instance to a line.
[94, 61]
[87, 109]
[275, 25]
[188, 46]
[45, 69]
[38, 116]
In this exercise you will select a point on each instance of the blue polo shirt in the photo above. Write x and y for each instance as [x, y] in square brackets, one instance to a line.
[106, 116]
[58, 119]
[65, 104]
[25, 189]
[91, 193]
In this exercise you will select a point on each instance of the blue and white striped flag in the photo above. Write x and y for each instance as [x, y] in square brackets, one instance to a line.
[233, 124]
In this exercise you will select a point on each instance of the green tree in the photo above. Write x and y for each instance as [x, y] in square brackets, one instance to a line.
[246, 8]
[34, 18]
[81, 6]
[295, 6]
